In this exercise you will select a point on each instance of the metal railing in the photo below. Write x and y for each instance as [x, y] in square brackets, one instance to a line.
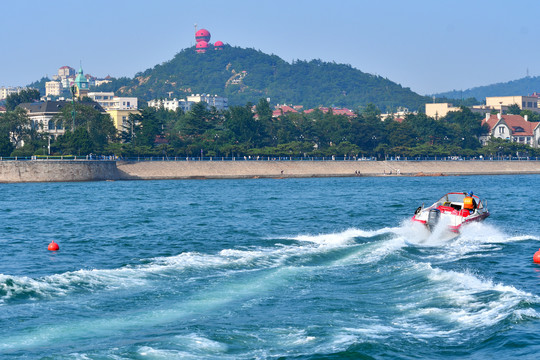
[265, 158]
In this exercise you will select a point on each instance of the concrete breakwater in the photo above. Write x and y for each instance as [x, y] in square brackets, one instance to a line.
[57, 170]
[82, 170]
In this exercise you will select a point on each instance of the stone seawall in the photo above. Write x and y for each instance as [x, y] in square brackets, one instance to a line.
[57, 170]
[81, 170]
[276, 169]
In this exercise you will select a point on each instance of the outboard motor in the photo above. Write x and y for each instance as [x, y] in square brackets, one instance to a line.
[434, 216]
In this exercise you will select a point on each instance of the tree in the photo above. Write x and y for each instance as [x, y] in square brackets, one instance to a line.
[6, 147]
[27, 95]
[263, 110]
[16, 124]
[531, 116]
[243, 126]
[99, 127]
[146, 127]
[195, 121]
[514, 109]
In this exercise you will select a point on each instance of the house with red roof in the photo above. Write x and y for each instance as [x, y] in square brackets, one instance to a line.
[282, 109]
[335, 111]
[514, 128]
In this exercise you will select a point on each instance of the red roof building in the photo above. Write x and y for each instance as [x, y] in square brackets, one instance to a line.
[282, 109]
[335, 111]
[512, 127]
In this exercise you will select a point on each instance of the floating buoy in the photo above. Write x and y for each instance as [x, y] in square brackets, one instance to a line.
[53, 246]
[536, 257]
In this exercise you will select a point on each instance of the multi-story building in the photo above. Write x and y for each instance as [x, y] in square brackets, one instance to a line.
[110, 102]
[439, 110]
[99, 82]
[41, 115]
[220, 103]
[170, 104]
[65, 72]
[120, 117]
[53, 88]
[6, 91]
[524, 102]
[105, 99]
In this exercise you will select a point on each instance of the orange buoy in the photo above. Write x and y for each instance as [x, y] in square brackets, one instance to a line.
[536, 257]
[53, 246]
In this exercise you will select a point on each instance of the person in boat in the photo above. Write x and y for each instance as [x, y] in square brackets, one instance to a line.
[469, 203]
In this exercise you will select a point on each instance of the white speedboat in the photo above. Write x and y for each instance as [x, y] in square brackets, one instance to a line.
[449, 210]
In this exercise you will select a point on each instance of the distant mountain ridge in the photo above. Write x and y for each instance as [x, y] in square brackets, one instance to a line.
[246, 75]
[524, 86]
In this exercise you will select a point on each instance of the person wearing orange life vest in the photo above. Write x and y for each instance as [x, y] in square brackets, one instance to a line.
[469, 203]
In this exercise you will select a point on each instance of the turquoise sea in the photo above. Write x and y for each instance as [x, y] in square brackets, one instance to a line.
[267, 269]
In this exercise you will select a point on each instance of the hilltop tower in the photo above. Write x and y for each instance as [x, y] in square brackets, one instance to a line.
[201, 47]
[218, 45]
[202, 35]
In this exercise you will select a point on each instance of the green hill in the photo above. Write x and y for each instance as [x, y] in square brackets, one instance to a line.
[523, 86]
[246, 75]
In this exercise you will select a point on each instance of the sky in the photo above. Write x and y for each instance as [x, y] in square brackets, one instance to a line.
[429, 46]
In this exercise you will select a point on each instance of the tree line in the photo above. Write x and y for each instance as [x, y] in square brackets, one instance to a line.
[250, 130]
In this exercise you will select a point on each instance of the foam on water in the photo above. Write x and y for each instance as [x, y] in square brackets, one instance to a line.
[342, 238]
[465, 299]
[461, 295]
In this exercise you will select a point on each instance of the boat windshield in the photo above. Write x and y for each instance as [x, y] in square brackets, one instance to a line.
[457, 198]
[453, 197]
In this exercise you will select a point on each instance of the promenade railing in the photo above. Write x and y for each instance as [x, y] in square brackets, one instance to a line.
[267, 158]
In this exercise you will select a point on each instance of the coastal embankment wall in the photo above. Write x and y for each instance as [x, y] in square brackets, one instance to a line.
[84, 170]
[285, 169]
[16, 171]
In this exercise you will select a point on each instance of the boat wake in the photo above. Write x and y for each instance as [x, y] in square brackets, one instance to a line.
[397, 273]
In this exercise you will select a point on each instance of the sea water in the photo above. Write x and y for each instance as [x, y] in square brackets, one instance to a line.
[266, 269]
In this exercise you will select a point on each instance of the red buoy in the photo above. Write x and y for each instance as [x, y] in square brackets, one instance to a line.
[53, 246]
[536, 257]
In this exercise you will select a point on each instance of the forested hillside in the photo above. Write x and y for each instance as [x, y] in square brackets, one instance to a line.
[246, 75]
[524, 86]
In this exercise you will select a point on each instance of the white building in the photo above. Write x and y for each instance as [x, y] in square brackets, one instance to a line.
[108, 101]
[53, 88]
[220, 103]
[99, 82]
[514, 128]
[66, 71]
[6, 91]
[170, 104]
[42, 115]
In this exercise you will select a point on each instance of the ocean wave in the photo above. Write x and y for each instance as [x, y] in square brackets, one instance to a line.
[468, 300]
[16, 288]
[344, 237]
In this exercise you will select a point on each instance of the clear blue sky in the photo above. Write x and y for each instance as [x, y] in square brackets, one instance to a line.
[428, 45]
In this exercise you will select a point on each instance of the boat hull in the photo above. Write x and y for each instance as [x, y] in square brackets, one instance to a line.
[449, 210]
